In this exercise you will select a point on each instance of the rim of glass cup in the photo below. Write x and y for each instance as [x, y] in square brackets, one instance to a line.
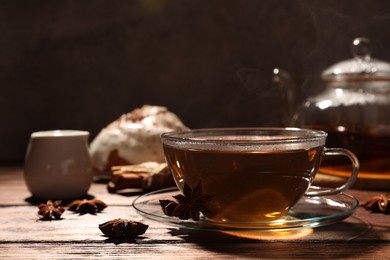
[60, 133]
[245, 139]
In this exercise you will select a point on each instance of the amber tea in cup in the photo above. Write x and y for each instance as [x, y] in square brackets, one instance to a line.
[252, 174]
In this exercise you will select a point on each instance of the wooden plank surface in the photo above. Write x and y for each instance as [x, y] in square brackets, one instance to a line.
[362, 236]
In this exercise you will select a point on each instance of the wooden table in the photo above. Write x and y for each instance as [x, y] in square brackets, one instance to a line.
[22, 235]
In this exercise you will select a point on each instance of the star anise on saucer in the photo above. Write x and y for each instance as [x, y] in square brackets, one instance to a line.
[188, 205]
[87, 206]
[380, 204]
[123, 228]
[50, 210]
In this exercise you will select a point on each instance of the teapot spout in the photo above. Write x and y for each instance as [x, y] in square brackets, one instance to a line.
[286, 86]
[273, 91]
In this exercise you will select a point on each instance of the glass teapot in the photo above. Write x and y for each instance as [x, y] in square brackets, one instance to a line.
[354, 109]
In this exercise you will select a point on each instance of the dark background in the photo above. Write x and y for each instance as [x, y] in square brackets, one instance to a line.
[81, 64]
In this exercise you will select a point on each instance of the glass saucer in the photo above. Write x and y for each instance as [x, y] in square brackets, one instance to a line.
[307, 213]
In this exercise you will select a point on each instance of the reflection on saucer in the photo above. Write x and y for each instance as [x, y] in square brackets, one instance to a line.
[272, 235]
[279, 224]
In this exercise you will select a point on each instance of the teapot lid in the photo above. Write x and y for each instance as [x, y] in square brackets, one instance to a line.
[360, 68]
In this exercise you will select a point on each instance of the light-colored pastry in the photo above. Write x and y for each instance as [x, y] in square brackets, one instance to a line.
[133, 138]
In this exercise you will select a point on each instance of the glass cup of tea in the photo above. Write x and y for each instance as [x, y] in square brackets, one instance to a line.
[251, 174]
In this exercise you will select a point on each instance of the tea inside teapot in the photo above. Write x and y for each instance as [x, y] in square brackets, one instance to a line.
[354, 109]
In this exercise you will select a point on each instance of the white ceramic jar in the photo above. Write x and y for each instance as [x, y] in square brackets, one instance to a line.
[58, 165]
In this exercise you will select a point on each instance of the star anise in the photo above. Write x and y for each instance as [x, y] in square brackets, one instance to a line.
[123, 228]
[188, 205]
[378, 204]
[87, 206]
[50, 210]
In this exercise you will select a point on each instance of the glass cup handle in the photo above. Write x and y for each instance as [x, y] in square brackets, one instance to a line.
[318, 191]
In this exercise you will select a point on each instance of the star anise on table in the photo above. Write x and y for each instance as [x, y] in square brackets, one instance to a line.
[188, 205]
[123, 228]
[87, 206]
[380, 204]
[50, 210]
